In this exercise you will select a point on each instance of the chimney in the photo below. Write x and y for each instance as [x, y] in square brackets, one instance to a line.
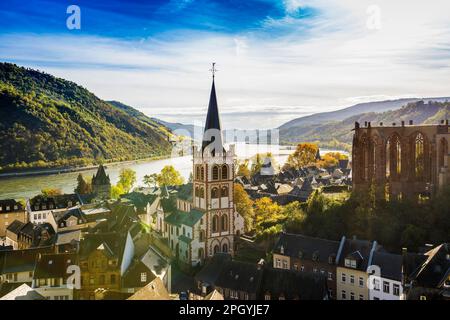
[410, 122]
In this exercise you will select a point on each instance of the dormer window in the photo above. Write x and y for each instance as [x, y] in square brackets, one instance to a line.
[315, 256]
[44, 207]
[282, 249]
[331, 259]
[267, 296]
[350, 263]
[16, 207]
[8, 208]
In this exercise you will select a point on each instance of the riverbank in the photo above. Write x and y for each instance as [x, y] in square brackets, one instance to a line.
[60, 170]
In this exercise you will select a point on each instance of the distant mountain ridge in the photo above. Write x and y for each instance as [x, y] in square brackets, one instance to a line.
[366, 107]
[51, 122]
[338, 134]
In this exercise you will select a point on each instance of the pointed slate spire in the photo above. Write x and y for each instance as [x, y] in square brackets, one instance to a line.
[212, 125]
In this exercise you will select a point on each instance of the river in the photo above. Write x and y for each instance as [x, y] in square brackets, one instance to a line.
[29, 186]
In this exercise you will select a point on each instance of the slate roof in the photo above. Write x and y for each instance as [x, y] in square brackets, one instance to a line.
[139, 199]
[132, 277]
[293, 285]
[112, 243]
[435, 269]
[24, 292]
[359, 249]
[185, 192]
[179, 217]
[304, 247]
[20, 260]
[100, 178]
[389, 263]
[212, 121]
[238, 275]
[11, 203]
[54, 265]
[15, 226]
[57, 202]
[155, 290]
[210, 272]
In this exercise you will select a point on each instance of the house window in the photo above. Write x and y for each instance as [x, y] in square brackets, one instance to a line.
[267, 296]
[330, 276]
[143, 276]
[361, 282]
[278, 263]
[246, 296]
[376, 298]
[295, 266]
[234, 294]
[386, 287]
[361, 297]
[396, 289]
[343, 277]
[343, 295]
[302, 268]
[352, 296]
[352, 279]
[101, 280]
[113, 279]
[7, 208]
[285, 264]
[315, 270]
[376, 284]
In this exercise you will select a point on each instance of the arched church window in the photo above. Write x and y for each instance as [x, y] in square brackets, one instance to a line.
[224, 192]
[215, 193]
[215, 172]
[197, 191]
[225, 248]
[224, 172]
[202, 173]
[215, 224]
[224, 222]
[419, 155]
[197, 172]
[216, 249]
[202, 192]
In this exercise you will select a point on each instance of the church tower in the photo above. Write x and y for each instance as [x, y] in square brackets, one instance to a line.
[213, 171]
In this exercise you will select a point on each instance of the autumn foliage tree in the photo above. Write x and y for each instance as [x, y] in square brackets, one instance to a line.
[304, 155]
[331, 159]
[244, 206]
[169, 176]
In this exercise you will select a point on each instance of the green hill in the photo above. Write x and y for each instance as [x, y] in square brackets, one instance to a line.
[50, 122]
[338, 134]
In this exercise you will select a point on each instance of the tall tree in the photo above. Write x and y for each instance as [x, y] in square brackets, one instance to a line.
[169, 177]
[127, 179]
[304, 155]
[244, 206]
[83, 187]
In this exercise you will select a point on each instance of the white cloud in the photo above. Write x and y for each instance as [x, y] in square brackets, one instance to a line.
[322, 63]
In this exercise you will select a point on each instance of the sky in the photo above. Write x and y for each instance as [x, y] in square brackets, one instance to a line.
[276, 60]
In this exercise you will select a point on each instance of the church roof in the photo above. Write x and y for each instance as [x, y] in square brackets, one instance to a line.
[212, 121]
[100, 177]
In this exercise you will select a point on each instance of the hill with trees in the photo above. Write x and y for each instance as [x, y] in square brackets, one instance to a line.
[338, 134]
[51, 122]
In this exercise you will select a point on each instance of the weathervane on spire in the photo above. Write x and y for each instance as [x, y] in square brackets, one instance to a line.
[213, 69]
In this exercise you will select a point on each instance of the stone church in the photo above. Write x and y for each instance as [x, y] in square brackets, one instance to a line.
[205, 220]
[401, 161]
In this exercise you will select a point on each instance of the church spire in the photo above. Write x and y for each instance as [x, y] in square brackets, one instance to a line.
[213, 132]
